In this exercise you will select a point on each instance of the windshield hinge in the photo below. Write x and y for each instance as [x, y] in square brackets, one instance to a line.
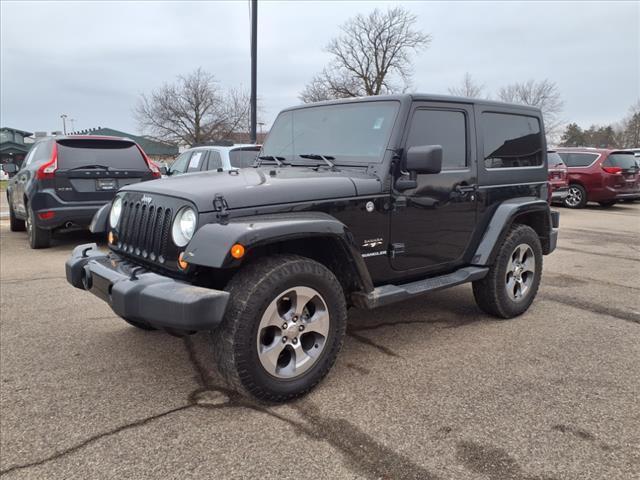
[220, 205]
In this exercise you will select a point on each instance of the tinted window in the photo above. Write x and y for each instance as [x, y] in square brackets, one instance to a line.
[622, 160]
[29, 158]
[554, 160]
[243, 157]
[111, 153]
[441, 127]
[578, 159]
[511, 141]
[215, 161]
[357, 132]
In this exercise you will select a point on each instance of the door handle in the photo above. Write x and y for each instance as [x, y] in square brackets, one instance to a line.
[466, 188]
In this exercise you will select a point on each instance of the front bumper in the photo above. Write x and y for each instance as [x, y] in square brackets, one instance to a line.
[146, 297]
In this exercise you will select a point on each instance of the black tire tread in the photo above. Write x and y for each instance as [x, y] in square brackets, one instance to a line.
[489, 292]
[247, 289]
[38, 237]
[15, 224]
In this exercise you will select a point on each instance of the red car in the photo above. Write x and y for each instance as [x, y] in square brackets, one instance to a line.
[558, 177]
[600, 175]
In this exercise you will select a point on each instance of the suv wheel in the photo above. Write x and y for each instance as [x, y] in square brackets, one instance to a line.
[284, 326]
[15, 224]
[513, 280]
[576, 198]
[38, 237]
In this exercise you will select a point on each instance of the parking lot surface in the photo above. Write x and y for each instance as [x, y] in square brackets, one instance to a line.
[427, 389]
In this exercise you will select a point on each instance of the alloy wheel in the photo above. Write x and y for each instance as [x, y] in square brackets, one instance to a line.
[292, 333]
[574, 197]
[520, 272]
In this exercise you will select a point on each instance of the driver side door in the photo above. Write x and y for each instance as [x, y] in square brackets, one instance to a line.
[432, 224]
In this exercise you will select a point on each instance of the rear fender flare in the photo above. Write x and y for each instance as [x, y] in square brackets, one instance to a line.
[501, 222]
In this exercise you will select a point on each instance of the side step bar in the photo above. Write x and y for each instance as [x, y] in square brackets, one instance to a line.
[386, 294]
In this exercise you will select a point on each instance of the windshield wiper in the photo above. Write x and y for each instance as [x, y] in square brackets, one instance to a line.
[316, 156]
[82, 167]
[278, 160]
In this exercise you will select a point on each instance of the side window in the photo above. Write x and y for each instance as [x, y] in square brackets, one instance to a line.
[215, 161]
[578, 159]
[31, 155]
[195, 161]
[511, 141]
[441, 127]
[180, 164]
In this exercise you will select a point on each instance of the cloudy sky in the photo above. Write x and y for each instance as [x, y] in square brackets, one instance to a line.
[91, 60]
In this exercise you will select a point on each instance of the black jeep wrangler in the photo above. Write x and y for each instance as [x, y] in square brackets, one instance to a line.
[359, 202]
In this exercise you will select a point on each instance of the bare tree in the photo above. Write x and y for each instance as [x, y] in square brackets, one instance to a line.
[543, 94]
[372, 56]
[193, 110]
[467, 88]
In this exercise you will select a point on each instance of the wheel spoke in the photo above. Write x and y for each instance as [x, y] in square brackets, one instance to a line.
[302, 296]
[318, 323]
[511, 286]
[271, 317]
[529, 264]
[269, 355]
[522, 250]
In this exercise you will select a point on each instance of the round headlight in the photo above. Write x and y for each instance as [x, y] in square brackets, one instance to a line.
[184, 226]
[116, 210]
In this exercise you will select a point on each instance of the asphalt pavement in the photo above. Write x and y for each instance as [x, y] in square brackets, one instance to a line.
[427, 389]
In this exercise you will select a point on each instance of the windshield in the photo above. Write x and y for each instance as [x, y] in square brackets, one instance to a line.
[357, 132]
[243, 157]
[625, 161]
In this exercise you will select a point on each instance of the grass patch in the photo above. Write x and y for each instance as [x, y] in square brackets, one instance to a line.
[3, 185]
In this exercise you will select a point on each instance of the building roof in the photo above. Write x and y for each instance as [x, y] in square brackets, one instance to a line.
[151, 147]
[23, 132]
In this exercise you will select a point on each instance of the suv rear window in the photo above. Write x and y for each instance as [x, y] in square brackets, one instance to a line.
[626, 161]
[511, 141]
[578, 159]
[118, 154]
[243, 157]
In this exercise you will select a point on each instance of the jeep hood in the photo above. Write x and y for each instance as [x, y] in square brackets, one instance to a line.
[251, 187]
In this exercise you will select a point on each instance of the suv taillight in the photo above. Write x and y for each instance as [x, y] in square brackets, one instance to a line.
[48, 169]
[612, 169]
[155, 171]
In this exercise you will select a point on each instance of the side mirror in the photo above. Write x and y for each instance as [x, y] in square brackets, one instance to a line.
[424, 159]
[9, 168]
[164, 170]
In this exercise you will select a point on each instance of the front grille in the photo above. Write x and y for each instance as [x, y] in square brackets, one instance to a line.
[144, 230]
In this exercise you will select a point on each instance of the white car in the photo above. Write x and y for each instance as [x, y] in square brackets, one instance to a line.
[214, 157]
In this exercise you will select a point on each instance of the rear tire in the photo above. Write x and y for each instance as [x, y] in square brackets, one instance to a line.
[513, 280]
[608, 204]
[38, 237]
[577, 197]
[284, 326]
[15, 224]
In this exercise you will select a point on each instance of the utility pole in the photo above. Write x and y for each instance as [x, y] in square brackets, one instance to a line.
[254, 67]
[73, 121]
[64, 123]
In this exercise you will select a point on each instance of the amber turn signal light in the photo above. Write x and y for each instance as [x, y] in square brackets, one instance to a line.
[111, 238]
[237, 251]
[182, 263]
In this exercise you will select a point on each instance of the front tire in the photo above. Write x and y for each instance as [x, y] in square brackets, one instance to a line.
[513, 280]
[38, 237]
[576, 198]
[284, 326]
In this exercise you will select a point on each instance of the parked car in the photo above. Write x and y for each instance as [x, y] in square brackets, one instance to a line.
[558, 177]
[214, 157]
[357, 202]
[65, 180]
[600, 175]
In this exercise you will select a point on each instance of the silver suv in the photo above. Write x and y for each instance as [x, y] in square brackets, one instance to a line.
[214, 157]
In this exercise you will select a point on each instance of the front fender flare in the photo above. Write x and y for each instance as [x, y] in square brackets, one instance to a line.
[211, 244]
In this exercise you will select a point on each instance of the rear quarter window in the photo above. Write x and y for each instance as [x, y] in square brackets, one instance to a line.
[626, 161]
[117, 154]
[511, 141]
[578, 159]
